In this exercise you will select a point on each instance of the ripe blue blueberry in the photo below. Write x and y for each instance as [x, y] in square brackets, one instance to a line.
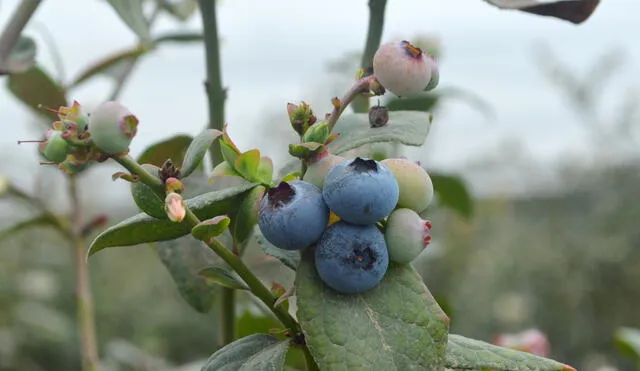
[361, 191]
[293, 215]
[351, 258]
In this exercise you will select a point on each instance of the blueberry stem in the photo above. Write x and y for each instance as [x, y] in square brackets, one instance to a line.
[254, 283]
[374, 36]
[358, 88]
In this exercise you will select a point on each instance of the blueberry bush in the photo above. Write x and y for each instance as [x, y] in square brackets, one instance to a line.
[348, 223]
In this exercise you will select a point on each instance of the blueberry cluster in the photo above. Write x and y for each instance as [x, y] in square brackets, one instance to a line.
[363, 214]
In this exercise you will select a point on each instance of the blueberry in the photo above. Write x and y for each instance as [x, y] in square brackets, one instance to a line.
[361, 191]
[293, 215]
[318, 169]
[351, 258]
[112, 127]
[416, 188]
[406, 235]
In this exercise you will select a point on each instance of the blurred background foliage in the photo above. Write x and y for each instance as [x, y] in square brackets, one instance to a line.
[554, 248]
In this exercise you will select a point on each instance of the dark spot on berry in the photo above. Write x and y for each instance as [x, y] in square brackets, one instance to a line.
[367, 209]
[362, 166]
[363, 257]
[281, 195]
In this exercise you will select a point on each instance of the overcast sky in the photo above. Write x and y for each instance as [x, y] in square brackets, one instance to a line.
[276, 51]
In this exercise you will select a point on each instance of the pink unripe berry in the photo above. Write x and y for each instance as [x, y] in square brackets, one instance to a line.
[112, 127]
[402, 68]
[406, 235]
[317, 170]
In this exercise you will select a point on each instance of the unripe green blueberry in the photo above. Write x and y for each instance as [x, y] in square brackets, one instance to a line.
[402, 68]
[112, 127]
[406, 235]
[54, 148]
[416, 188]
[317, 170]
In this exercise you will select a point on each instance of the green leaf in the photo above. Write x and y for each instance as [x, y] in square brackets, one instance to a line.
[469, 354]
[265, 170]
[210, 228]
[243, 222]
[35, 87]
[184, 258]
[246, 164]
[179, 37]
[38, 221]
[395, 326]
[145, 198]
[575, 12]
[104, 66]
[21, 58]
[180, 9]
[628, 338]
[197, 150]
[173, 148]
[142, 228]
[132, 14]
[406, 127]
[289, 258]
[423, 102]
[255, 352]
[249, 323]
[222, 277]
[452, 193]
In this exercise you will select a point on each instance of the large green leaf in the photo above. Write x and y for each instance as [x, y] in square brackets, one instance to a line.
[258, 352]
[197, 150]
[628, 339]
[469, 354]
[142, 228]
[132, 14]
[452, 193]
[406, 127]
[251, 323]
[109, 63]
[395, 326]
[173, 148]
[184, 258]
[35, 87]
[288, 257]
[21, 58]
[423, 102]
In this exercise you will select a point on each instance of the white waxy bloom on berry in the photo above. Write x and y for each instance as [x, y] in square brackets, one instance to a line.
[402, 68]
[112, 127]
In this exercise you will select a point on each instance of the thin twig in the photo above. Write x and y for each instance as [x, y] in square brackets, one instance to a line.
[86, 318]
[359, 87]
